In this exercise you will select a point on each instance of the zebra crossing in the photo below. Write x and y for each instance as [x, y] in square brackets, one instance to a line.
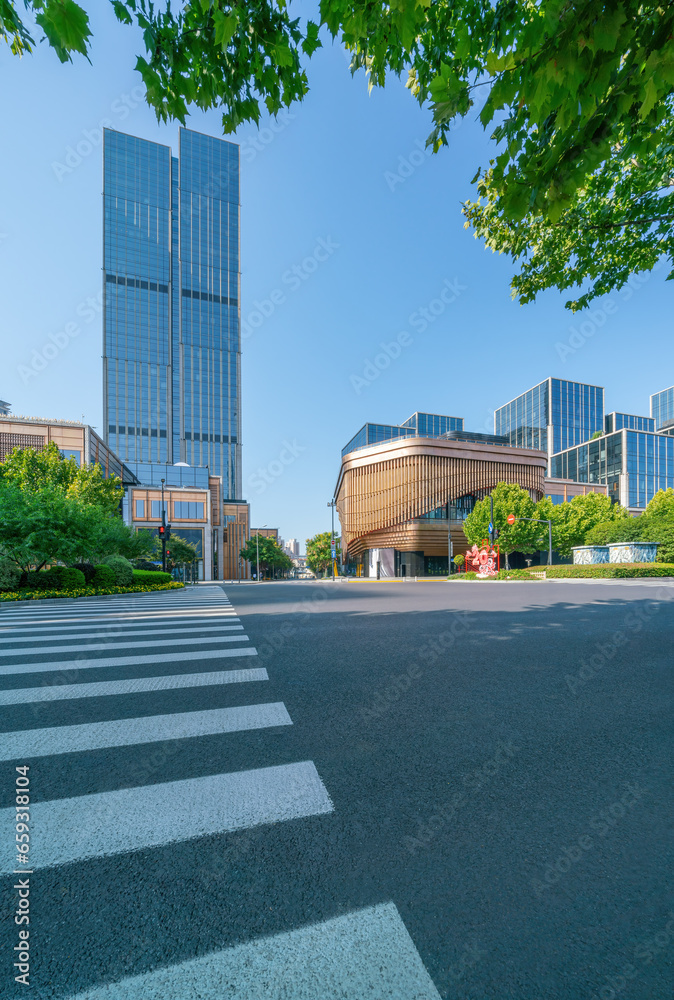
[78, 655]
[224, 802]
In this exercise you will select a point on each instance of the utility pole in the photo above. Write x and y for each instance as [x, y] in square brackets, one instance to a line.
[333, 550]
[450, 547]
[257, 539]
[163, 532]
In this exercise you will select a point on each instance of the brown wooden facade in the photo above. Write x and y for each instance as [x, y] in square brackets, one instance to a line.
[382, 490]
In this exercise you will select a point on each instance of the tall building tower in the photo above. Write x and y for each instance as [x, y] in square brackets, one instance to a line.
[171, 316]
[552, 416]
[662, 408]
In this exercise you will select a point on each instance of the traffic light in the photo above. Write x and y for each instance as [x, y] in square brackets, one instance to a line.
[164, 531]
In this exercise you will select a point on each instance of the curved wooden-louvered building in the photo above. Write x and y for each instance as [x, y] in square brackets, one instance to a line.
[393, 497]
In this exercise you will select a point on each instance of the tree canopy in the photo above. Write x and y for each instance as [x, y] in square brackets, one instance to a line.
[51, 510]
[577, 97]
[319, 553]
[272, 557]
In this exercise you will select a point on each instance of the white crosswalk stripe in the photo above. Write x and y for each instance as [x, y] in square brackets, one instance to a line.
[120, 630]
[27, 743]
[365, 954]
[160, 813]
[97, 689]
[134, 644]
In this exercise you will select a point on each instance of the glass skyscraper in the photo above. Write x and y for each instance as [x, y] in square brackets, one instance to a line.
[662, 407]
[552, 416]
[171, 347]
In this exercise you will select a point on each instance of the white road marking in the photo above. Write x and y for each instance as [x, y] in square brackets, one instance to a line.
[147, 729]
[364, 954]
[132, 819]
[124, 661]
[134, 644]
[64, 692]
[122, 632]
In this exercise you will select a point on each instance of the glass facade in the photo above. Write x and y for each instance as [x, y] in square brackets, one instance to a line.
[418, 425]
[172, 376]
[616, 422]
[173, 475]
[646, 459]
[552, 416]
[662, 406]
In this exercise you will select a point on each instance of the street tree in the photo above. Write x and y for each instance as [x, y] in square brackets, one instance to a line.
[319, 557]
[509, 498]
[577, 98]
[271, 555]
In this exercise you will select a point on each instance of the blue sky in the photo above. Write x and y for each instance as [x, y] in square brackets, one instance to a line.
[350, 237]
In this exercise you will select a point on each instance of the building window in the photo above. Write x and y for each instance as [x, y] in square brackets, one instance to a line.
[140, 508]
[156, 509]
[191, 510]
[72, 454]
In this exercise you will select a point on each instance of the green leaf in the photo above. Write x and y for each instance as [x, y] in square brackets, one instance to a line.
[225, 26]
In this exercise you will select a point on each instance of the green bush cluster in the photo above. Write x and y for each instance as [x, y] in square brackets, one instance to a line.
[603, 571]
[104, 576]
[150, 576]
[122, 569]
[56, 578]
[37, 595]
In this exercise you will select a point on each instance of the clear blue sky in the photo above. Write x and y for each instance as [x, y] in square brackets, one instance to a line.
[328, 173]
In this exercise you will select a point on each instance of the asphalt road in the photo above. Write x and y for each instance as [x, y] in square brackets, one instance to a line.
[371, 790]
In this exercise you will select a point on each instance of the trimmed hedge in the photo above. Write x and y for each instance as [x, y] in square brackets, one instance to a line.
[601, 571]
[89, 571]
[56, 578]
[38, 595]
[104, 576]
[122, 569]
[150, 576]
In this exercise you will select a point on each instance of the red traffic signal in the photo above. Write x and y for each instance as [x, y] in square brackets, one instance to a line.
[162, 530]
[511, 518]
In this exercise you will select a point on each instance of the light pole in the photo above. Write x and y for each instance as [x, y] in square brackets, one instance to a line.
[163, 534]
[450, 549]
[257, 539]
[333, 560]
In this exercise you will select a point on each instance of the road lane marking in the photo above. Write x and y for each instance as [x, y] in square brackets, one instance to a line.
[123, 661]
[134, 685]
[30, 743]
[134, 644]
[55, 637]
[363, 954]
[132, 819]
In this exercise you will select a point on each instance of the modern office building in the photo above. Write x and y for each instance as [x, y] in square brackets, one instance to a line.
[4, 408]
[72, 438]
[552, 416]
[633, 464]
[616, 422]
[401, 499]
[418, 425]
[171, 346]
[662, 408]
[191, 500]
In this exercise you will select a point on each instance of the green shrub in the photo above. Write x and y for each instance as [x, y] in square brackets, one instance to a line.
[35, 595]
[104, 576]
[88, 569]
[71, 578]
[122, 569]
[10, 574]
[151, 567]
[150, 576]
[43, 579]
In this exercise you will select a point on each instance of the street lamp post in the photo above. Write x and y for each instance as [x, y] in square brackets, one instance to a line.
[163, 534]
[257, 540]
[331, 504]
[450, 547]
